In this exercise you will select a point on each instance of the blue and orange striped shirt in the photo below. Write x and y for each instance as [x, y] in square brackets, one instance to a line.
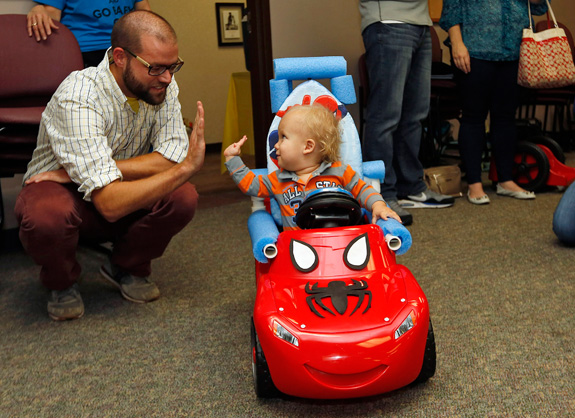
[290, 191]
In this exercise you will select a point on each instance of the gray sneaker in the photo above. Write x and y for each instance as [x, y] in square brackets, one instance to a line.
[405, 216]
[134, 288]
[65, 304]
[427, 199]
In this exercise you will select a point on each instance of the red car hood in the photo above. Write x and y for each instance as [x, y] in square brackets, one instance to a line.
[356, 304]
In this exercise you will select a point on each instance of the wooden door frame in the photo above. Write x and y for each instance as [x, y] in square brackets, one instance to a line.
[260, 64]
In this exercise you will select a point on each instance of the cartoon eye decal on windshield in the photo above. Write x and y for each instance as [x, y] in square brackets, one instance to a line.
[303, 256]
[356, 255]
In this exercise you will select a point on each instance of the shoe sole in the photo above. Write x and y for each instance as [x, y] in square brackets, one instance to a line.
[406, 221]
[479, 201]
[60, 319]
[518, 197]
[107, 276]
[412, 204]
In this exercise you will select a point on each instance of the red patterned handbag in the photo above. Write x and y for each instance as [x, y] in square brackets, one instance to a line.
[545, 58]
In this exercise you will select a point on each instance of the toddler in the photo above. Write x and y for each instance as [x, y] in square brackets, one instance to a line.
[307, 153]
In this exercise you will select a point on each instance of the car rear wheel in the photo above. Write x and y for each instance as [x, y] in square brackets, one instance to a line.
[530, 167]
[429, 358]
[263, 383]
[550, 143]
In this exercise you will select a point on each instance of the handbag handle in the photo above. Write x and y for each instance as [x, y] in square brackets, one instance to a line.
[550, 10]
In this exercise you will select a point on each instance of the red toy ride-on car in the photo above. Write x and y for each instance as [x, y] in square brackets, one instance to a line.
[335, 316]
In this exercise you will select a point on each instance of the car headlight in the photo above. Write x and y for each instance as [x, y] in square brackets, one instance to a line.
[284, 334]
[406, 325]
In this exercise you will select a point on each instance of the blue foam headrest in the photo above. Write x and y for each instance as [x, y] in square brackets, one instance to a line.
[304, 68]
[311, 68]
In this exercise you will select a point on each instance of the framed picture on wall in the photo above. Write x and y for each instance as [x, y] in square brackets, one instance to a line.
[229, 18]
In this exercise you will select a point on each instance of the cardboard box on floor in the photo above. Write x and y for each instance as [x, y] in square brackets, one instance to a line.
[444, 179]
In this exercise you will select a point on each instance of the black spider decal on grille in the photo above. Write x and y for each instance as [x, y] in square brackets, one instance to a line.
[338, 291]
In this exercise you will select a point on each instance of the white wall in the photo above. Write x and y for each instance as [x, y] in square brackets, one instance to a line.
[15, 6]
[304, 28]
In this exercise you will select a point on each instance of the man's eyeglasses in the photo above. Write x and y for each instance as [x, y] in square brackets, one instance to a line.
[156, 70]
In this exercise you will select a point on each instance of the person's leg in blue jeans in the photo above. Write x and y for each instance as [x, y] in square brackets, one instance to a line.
[398, 58]
[564, 217]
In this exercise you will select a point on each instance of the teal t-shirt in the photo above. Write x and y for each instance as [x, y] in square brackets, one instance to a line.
[91, 21]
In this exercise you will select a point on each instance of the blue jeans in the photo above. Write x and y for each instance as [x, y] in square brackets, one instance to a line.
[398, 58]
[564, 217]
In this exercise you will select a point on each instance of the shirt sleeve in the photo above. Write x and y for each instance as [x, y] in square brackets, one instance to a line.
[247, 181]
[451, 14]
[363, 192]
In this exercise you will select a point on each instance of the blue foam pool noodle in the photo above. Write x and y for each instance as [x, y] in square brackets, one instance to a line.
[303, 68]
[392, 227]
[279, 91]
[342, 88]
[263, 231]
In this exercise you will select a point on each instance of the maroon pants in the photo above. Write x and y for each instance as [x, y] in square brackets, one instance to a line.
[54, 216]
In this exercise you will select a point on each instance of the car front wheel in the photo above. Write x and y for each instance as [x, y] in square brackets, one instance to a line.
[429, 358]
[263, 383]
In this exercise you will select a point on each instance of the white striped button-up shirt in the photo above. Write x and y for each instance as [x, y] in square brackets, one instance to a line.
[88, 124]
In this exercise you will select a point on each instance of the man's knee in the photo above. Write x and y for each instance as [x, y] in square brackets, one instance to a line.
[184, 202]
[563, 228]
[47, 209]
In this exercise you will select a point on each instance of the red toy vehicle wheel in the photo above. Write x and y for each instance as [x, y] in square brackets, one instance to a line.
[531, 166]
[550, 143]
[429, 358]
[263, 383]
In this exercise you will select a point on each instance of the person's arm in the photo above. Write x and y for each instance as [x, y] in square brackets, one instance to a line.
[134, 168]
[367, 196]
[41, 20]
[121, 198]
[142, 5]
[245, 179]
[459, 51]
[538, 7]
[143, 166]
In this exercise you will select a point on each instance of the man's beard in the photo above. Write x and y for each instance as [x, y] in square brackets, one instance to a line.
[139, 90]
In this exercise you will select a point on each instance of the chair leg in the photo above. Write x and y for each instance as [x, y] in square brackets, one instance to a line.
[1, 209]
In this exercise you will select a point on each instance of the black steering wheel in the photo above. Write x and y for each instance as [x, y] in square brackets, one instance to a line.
[328, 208]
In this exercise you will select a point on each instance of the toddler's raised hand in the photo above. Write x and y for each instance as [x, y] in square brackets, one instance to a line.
[234, 150]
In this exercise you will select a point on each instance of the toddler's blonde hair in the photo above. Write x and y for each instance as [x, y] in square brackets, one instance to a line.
[321, 125]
